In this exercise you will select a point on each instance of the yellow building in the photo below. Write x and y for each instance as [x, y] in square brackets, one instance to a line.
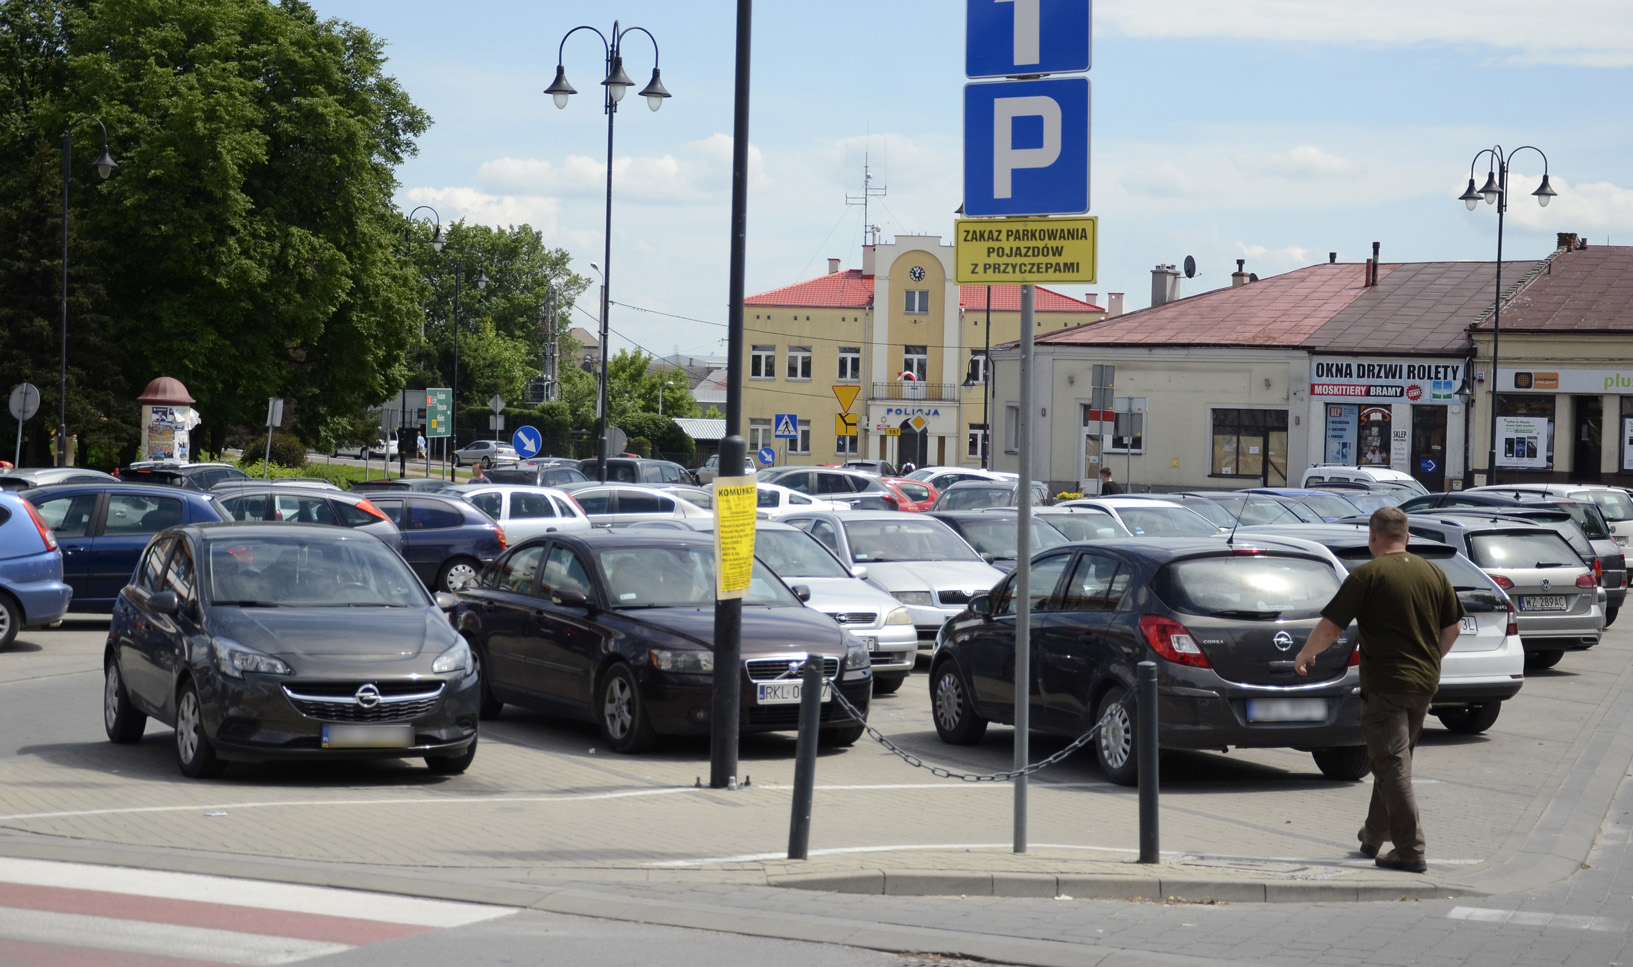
[898, 337]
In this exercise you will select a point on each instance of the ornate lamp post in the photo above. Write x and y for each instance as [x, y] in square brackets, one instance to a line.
[105, 166]
[1495, 192]
[615, 86]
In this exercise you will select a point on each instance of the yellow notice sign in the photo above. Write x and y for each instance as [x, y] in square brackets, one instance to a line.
[993, 251]
[844, 424]
[735, 500]
[846, 395]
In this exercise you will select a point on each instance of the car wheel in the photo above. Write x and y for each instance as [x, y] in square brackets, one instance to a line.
[452, 765]
[622, 712]
[362, 453]
[487, 463]
[888, 684]
[950, 705]
[491, 705]
[456, 573]
[120, 719]
[1114, 746]
[1471, 719]
[1544, 659]
[194, 753]
[11, 618]
[841, 738]
[456, 461]
[1346, 763]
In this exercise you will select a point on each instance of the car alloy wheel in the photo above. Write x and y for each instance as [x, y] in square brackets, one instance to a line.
[623, 715]
[194, 753]
[956, 721]
[1114, 747]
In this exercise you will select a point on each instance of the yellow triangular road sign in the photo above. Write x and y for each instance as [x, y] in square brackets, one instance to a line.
[846, 395]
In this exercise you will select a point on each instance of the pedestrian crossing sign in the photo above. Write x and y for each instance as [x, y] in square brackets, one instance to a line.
[786, 426]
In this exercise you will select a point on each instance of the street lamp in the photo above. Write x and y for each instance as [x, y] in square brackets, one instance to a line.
[105, 166]
[616, 85]
[1495, 192]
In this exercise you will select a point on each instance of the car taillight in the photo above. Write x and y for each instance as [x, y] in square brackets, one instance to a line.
[39, 522]
[1503, 582]
[1172, 641]
[1598, 571]
[1513, 629]
[499, 532]
[368, 508]
[1355, 656]
[1586, 582]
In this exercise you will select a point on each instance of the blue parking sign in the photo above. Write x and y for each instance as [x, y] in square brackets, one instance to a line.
[1005, 38]
[1026, 147]
[527, 441]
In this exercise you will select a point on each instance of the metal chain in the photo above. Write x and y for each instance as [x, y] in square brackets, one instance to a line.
[940, 772]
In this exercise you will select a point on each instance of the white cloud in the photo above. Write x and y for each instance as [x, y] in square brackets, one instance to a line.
[483, 208]
[700, 171]
[1598, 205]
[1583, 33]
[1304, 161]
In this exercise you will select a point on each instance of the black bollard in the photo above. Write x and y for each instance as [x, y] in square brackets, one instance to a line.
[1145, 751]
[805, 753]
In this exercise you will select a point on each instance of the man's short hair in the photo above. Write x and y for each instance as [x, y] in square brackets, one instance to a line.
[1105, 471]
[1389, 523]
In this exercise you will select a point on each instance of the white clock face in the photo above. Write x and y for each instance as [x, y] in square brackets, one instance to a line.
[917, 272]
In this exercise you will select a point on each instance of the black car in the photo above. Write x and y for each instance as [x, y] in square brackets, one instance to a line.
[995, 533]
[446, 540]
[618, 629]
[193, 476]
[1222, 622]
[412, 485]
[543, 475]
[299, 641]
[638, 470]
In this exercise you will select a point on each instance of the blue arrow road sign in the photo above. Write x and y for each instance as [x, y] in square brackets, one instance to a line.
[1026, 147]
[1427, 465]
[1004, 38]
[527, 441]
[786, 426]
[767, 456]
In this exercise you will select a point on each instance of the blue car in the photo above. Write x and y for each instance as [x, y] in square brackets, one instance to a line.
[32, 591]
[446, 540]
[103, 528]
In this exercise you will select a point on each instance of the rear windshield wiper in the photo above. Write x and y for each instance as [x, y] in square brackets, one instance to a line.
[1244, 613]
[1551, 564]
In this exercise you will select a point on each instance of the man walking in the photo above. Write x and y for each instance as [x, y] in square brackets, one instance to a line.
[1409, 617]
[1108, 486]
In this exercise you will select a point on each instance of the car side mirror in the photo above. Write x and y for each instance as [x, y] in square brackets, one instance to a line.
[569, 598]
[802, 592]
[446, 601]
[981, 604]
[988, 557]
[164, 602]
[859, 572]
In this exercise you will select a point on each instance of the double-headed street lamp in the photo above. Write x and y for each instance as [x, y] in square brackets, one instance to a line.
[616, 85]
[105, 166]
[438, 242]
[1495, 192]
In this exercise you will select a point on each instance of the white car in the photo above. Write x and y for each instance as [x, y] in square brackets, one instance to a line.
[943, 477]
[775, 502]
[525, 511]
[1144, 517]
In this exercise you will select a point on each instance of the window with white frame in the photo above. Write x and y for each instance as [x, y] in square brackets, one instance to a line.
[975, 373]
[762, 362]
[846, 446]
[916, 360]
[918, 302]
[759, 435]
[799, 363]
[801, 443]
[977, 443]
[850, 364]
[1012, 427]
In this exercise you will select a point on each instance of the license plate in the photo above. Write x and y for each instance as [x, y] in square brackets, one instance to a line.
[1543, 602]
[787, 693]
[368, 736]
[1468, 625]
[872, 643]
[1286, 710]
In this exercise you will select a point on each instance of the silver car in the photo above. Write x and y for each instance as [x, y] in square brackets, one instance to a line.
[918, 560]
[524, 511]
[309, 505]
[617, 504]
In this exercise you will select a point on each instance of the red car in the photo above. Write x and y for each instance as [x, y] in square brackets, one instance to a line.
[912, 495]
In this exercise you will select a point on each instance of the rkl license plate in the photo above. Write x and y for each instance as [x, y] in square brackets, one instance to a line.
[1543, 602]
[1468, 625]
[786, 693]
[1286, 710]
[368, 736]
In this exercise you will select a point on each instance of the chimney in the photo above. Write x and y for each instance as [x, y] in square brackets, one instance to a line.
[1332, 258]
[868, 255]
[1239, 277]
[1164, 285]
[1567, 242]
[1372, 269]
[833, 266]
[1092, 298]
[1114, 304]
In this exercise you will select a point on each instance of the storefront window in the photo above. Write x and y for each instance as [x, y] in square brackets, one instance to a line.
[1627, 434]
[1525, 432]
[1373, 445]
[1250, 443]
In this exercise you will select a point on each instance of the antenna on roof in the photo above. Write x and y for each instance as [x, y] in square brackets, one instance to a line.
[869, 190]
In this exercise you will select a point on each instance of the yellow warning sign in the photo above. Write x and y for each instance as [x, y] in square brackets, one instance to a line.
[735, 499]
[1023, 250]
[844, 424]
[918, 422]
[846, 395]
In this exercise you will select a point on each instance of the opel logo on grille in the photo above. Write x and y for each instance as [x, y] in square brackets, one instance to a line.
[1283, 641]
[368, 696]
[1546, 584]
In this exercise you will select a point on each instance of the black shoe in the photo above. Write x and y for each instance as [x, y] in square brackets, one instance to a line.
[1393, 861]
[1367, 849]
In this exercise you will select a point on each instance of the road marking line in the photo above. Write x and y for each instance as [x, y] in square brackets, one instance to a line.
[1178, 857]
[1525, 918]
[161, 939]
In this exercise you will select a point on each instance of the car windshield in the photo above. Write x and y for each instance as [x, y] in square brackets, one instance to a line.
[1588, 518]
[1328, 505]
[974, 498]
[671, 576]
[698, 498]
[1368, 501]
[1255, 509]
[997, 538]
[1212, 512]
[796, 554]
[1086, 526]
[1260, 586]
[1459, 570]
[1614, 504]
[1539, 549]
[924, 474]
[906, 540]
[275, 570]
[1165, 522]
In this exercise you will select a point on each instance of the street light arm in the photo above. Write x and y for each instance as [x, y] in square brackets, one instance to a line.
[562, 47]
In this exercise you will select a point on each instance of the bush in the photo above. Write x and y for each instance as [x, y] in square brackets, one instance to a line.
[287, 450]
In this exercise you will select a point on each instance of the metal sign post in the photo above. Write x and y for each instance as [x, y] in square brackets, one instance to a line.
[274, 417]
[1023, 574]
[25, 402]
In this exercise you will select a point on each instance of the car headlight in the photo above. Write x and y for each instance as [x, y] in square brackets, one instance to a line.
[899, 616]
[922, 599]
[684, 661]
[455, 659]
[233, 660]
[857, 658]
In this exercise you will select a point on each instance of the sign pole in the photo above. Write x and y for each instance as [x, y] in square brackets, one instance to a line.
[1023, 574]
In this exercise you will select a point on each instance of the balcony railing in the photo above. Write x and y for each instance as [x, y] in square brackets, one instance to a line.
[905, 390]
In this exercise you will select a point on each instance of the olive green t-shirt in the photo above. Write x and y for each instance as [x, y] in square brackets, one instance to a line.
[1401, 602]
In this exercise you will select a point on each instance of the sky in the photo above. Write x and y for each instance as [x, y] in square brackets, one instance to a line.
[1274, 131]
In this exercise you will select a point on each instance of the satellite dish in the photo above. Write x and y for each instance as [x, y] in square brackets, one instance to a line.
[1190, 267]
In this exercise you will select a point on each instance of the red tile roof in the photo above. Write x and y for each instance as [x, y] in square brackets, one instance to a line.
[1586, 290]
[851, 289]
